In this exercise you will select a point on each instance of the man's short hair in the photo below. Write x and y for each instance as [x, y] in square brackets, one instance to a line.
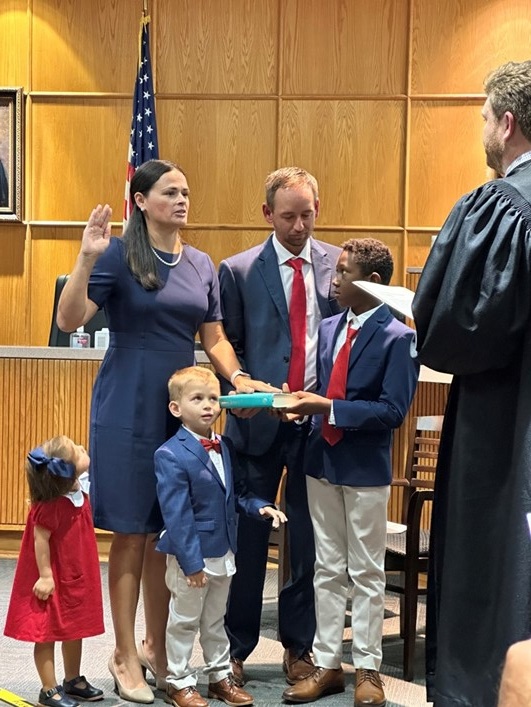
[509, 89]
[288, 178]
[372, 256]
[183, 376]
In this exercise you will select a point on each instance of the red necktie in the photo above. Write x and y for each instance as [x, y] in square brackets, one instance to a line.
[297, 325]
[211, 445]
[337, 385]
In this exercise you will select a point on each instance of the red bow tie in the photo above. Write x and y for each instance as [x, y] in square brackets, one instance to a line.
[211, 445]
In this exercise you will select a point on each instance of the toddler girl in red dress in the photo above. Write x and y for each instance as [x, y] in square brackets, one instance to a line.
[56, 593]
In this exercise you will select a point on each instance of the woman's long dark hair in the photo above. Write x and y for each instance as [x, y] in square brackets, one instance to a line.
[138, 253]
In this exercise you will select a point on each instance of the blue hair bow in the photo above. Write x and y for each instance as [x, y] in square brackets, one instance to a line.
[54, 465]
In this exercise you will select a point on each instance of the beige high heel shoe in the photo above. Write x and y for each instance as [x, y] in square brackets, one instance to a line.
[144, 695]
[160, 683]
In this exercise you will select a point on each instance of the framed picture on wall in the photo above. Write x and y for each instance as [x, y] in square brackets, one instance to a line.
[11, 177]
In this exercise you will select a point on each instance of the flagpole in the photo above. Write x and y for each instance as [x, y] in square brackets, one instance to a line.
[143, 141]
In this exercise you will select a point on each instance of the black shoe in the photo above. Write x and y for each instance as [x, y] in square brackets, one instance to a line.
[46, 698]
[87, 693]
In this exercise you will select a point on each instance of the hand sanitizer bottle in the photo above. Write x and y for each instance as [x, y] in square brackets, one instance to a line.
[101, 338]
[79, 339]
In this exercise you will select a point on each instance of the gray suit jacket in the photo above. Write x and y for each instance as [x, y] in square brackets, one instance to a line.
[255, 315]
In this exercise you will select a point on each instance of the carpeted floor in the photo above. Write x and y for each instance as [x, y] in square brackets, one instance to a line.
[266, 680]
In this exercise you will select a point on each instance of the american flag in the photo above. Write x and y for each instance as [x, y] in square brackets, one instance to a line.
[143, 142]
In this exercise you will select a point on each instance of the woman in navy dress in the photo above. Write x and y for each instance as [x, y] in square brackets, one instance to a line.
[157, 293]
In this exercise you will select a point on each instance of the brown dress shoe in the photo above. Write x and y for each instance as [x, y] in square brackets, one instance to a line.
[229, 692]
[323, 681]
[297, 667]
[186, 697]
[237, 671]
[368, 689]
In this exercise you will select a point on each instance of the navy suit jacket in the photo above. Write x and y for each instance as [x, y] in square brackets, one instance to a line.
[381, 381]
[199, 512]
[256, 319]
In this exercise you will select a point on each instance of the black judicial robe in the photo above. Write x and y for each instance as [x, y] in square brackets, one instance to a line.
[472, 310]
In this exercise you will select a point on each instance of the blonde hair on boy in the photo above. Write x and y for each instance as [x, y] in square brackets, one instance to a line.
[182, 377]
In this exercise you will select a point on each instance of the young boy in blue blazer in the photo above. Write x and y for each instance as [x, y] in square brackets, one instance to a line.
[366, 382]
[199, 491]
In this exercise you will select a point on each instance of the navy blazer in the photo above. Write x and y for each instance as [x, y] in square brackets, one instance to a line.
[256, 319]
[381, 381]
[199, 512]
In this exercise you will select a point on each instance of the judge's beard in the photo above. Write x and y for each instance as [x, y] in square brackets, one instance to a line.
[494, 153]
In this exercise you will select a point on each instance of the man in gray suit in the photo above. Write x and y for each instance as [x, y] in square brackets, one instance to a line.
[276, 341]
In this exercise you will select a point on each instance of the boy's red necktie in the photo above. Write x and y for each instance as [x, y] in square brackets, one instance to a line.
[297, 325]
[337, 385]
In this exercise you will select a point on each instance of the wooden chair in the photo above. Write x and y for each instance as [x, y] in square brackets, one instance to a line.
[406, 556]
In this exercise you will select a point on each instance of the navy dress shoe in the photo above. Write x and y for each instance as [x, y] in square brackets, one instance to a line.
[89, 693]
[46, 698]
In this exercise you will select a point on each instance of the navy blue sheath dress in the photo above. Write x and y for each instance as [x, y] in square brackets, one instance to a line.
[152, 334]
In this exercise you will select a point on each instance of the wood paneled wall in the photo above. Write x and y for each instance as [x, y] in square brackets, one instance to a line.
[380, 100]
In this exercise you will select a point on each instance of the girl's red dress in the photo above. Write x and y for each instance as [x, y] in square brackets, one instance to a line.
[75, 609]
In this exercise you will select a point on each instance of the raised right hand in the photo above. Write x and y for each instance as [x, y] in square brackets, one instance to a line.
[97, 232]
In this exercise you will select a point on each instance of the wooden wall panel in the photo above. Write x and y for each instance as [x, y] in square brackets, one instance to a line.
[53, 253]
[362, 94]
[79, 157]
[355, 149]
[217, 46]
[344, 47]
[446, 159]
[84, 46]
[223, 244]
[13, 285]
[226, 148]
[14, 43]
[393, 240]
[418, 247]
[457, 42]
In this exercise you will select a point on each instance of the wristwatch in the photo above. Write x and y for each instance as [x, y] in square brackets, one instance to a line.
[238, 372]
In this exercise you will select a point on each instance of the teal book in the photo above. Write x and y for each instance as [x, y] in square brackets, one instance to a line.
[257, 400]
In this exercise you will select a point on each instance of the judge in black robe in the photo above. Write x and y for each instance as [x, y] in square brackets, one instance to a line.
[472, 310]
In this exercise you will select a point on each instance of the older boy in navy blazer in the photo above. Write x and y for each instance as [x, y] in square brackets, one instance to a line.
[199, 498]
[366, 381]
